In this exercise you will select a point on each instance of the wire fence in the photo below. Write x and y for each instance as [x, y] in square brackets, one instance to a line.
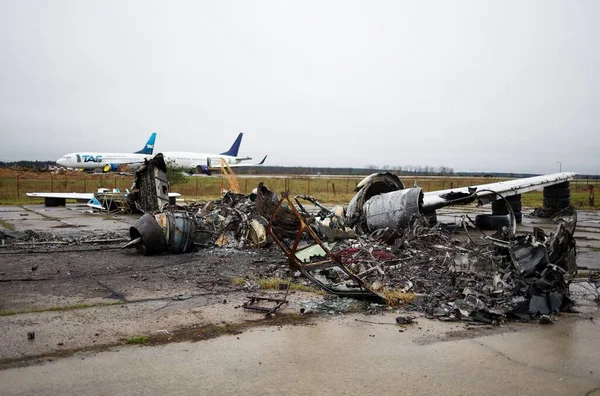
[325, 188]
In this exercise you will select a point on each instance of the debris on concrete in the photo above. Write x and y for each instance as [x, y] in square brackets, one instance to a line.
[150, 190]
[382, 248]
[231, 221]
[405, 320]
[254, 301]
[429, 270]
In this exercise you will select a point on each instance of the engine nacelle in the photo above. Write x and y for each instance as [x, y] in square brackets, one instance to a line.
[203, 169]
[394, 209]
[375, 184]
[111, 168]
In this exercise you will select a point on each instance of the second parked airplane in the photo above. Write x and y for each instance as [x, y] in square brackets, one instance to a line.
[205, 163]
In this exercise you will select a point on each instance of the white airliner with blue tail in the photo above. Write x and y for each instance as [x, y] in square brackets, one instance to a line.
[205, 163]
[107, 161]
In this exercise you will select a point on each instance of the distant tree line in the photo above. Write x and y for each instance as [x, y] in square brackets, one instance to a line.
[415, 170]
[367, 170]
[28, 165]
[404, 170]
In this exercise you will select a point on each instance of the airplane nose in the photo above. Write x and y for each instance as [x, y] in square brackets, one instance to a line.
[61, 161]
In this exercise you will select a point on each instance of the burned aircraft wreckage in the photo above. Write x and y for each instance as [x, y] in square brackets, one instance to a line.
[387, 245]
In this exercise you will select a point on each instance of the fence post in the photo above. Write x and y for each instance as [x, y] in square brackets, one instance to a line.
[51, 183]
[308, 188]
[84, 186]
[115, 181]
[246, 185]
[333, 188]
[18, 187]
[347, 182]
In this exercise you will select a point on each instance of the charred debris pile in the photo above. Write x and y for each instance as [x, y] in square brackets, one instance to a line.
[397, 256]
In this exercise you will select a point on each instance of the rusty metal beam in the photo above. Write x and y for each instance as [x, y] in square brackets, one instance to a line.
[363, 290]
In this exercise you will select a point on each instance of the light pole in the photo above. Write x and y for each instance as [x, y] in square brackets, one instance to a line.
[559, 166]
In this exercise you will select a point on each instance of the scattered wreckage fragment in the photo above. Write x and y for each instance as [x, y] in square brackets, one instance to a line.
[522, 277]
[282, 219]
[150, 190]
[227, 222]
[382, 201]
[172, 231]
[392, 253]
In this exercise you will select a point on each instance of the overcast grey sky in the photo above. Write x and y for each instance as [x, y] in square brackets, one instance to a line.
[472, 85]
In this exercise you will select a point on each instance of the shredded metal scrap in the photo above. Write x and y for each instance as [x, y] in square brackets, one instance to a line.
[427, 268]
[444, 276]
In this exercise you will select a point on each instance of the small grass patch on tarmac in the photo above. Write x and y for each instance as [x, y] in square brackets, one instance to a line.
[273, 284]
[138, 340]
[395, 298]
[6, 225]
[238, 281]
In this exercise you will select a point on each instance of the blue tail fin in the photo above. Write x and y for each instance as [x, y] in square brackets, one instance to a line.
[235, 147]
[149, 147]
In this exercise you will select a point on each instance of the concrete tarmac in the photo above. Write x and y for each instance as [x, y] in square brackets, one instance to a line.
[339, 354]
[347, 355]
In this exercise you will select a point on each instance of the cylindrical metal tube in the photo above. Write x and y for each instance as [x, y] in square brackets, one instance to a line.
[394, 209]
[153, 239]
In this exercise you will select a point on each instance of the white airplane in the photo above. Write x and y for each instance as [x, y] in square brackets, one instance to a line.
[205, 163]
[107, 161]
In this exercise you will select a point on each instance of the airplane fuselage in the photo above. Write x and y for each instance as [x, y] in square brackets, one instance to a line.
[89, 160]
[189, 160]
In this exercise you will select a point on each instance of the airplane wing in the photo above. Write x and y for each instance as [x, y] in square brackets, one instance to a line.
[485, 193]
[78, 196]
[73, 195]
[382, 201]
[239, 165]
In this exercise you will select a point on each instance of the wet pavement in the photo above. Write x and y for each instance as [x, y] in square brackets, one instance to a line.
[331, 354]
[61, 220]
[341, 355]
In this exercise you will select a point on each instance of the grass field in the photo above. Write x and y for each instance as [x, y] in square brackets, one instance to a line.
[333, 189]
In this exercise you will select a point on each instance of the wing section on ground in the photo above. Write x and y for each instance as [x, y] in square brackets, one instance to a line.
[484, 193]
[73, 195]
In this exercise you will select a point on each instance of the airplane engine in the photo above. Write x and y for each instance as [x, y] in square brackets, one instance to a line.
[203, 169]
[382, 201]
[394, 209]
[375, 184]
[110, 168]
